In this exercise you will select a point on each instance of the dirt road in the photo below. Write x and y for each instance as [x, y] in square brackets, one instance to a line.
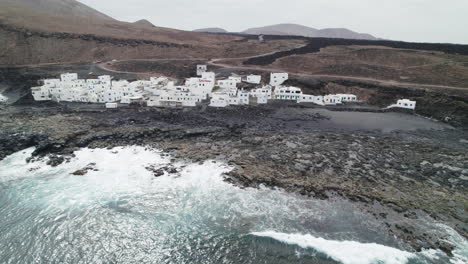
[218, 62]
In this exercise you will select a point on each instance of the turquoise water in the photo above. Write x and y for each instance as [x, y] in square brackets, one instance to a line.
[120, 213]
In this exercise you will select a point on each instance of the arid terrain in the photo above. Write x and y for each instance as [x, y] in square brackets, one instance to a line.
[401, 167]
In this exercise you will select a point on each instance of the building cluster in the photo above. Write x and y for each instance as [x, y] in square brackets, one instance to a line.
[162, 92]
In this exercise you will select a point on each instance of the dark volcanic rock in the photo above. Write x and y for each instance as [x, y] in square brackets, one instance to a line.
[409, 174]
[157, 172]
[84, 171]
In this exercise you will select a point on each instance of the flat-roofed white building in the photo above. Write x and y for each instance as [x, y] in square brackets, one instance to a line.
[253, 79]
[178, 97]
[68, 77]
[228, 97]
[41, 93]
[209, 76]
[237, 79]
[105, 79]
[201, 69]
[111, 105]
[277, 79]
[262, 99]
[404, 103]
[307, 98]
[227, 84]
[287, 93]
[265, 91]
[332, 99]
[348, 97]
[52, 83]
[219, 100]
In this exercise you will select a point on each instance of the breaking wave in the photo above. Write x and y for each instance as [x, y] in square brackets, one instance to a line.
[346, 252]
[119, 212]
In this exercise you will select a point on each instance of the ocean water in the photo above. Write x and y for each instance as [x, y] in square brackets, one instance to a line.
[3, 98]
[121, 213]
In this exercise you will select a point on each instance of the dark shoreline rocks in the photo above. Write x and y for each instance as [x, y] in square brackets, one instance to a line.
[401, 177]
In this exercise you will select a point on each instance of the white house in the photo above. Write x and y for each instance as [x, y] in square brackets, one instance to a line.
[404, 103]
[209, 76]
[287, 93]
[277, 79]
[228, 97]
[177, 97]
[111, 105]
[348, 97]
[201, 69]
[243, 96]
[332, 99]
[68, 77]
[307, 98]
[227, 84]
[52, 83]
[262, 99]
[237, 79]
[254, 79]
[219, 100]
[265, 91]
[41, 93]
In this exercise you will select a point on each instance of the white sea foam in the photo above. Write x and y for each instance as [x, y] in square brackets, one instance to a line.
[460, 252]
[196, 198]
[346, 252]
[3, 98]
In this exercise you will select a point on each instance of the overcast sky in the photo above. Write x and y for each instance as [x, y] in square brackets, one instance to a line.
[409, 20]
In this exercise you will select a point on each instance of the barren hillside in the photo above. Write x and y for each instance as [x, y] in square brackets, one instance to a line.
[80, 20]
[382, 63]
[53, 31]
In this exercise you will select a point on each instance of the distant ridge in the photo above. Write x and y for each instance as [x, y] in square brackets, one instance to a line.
[211, 30]
[144, 22]
[300, 30]
[65, 8]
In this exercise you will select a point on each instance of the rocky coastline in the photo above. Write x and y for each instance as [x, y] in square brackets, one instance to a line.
[402, 176]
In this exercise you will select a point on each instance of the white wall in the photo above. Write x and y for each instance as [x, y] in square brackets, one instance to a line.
[265, 91]
[287, 93]
[254, 79]
[306, 98]
[405, 103]
[201, 69]
[332, 99]
[227, 84]
[277, 79]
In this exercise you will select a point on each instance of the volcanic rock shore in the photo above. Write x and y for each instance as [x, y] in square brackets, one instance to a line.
[402, 176]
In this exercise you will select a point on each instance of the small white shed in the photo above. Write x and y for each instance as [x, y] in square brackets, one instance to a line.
[111, 105]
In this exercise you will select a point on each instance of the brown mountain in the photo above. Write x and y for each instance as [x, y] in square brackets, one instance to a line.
[77, 18]
[64, 31]
[300, 30]
[211, 30]
[70, 8]
[43, 31]
[144, 23]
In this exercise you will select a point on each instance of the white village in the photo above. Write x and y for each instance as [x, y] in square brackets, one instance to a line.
[162, 91]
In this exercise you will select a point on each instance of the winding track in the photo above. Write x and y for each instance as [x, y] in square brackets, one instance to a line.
[217, 62]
